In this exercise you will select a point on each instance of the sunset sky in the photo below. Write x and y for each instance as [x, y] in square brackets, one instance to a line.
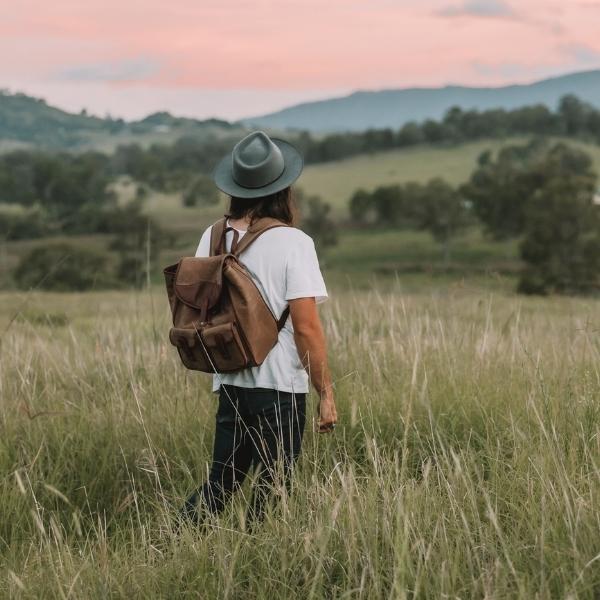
[234, 58]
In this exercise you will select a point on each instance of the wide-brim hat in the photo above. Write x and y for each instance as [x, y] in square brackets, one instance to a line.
[258, 166]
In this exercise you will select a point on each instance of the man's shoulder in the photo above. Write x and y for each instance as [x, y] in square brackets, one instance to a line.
[289, 236]
[208, 231]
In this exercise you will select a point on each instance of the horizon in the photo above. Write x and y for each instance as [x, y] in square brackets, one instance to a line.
[323, 99]
[154, 58]
[283, 107]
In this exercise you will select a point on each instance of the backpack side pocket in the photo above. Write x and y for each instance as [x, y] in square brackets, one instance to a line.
[224, 345]
[191, 349]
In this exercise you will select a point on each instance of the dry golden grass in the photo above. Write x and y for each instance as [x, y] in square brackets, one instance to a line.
[466, 463]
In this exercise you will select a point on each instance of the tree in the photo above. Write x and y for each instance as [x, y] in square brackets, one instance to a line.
[544, 194]
[409, 135]
[362, 207]
[537, 119]
[442, 212]
[454, 121]
[561, 243]
[201, 192]
[573, 113]
[138, 242]
[387, 201]
[388, 206]
[498, 189]
[434, 131]
[317, 221]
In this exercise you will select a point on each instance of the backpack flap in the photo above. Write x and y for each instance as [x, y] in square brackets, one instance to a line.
[198, 282]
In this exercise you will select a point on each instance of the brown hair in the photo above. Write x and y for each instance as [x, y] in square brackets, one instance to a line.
[279, 205]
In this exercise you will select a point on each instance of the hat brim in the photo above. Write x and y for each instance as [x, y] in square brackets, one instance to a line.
[293, 164]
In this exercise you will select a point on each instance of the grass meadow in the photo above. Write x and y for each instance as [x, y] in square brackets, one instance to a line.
[466, 463]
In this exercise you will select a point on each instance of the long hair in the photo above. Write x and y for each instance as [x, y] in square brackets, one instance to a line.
[279, 205]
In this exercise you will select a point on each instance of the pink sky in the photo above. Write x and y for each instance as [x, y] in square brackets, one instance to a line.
[234, 58]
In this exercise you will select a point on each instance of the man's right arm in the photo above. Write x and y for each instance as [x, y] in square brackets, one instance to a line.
[310, 342]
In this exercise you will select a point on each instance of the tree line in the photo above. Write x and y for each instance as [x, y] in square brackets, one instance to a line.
[572, 118]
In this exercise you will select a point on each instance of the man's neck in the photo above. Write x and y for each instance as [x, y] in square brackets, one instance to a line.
[240, 224]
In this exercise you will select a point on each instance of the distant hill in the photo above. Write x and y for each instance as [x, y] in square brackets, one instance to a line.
[392, 108]
[26, 121]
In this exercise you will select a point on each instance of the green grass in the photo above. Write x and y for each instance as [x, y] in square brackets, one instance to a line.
[358, 257]
[362, 259]
[335, 182]
[465, 463]
[393, 250]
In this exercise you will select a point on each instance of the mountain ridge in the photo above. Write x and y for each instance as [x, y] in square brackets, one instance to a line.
[393, 107]
[26, 121]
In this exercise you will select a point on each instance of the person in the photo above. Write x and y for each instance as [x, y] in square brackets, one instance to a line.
[261, 410]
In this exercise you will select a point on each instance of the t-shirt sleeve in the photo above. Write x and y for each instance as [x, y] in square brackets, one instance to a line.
[203, 249]
[303, 275]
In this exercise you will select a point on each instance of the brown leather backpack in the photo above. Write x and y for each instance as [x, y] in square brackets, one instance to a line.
[221, 322]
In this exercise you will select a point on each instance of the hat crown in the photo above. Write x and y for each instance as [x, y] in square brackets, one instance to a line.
[257, 161]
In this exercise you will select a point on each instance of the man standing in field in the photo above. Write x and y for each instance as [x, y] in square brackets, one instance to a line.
[261, 412]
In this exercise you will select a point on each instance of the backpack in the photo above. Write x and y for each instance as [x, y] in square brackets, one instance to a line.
[221, 322]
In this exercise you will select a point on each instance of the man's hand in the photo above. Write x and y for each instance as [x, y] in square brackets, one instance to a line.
[327, 414]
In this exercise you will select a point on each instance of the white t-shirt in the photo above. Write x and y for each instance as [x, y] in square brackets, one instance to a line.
[283, 264]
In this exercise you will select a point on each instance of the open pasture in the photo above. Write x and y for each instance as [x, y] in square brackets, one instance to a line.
[466, 463]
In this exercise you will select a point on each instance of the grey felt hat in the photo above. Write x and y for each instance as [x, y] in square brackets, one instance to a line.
[258, 166]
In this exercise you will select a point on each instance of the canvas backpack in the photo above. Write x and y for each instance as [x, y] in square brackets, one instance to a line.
[221, 322]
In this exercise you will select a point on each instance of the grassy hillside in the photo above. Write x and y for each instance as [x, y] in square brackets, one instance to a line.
[27, 119]
[464, 465]
[27, 122]
[336, 181]
[364, 258]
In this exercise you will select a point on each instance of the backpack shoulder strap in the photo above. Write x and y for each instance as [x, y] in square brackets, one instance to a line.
[256, 230]
[283, 318]
[217, 235]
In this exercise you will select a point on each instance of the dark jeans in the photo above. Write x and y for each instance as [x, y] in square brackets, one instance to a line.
[256, 429]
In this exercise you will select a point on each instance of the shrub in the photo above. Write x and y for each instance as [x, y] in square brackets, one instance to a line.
[201, 192]
[26, 225]
[362, 208]
[63, 267]
[318, 223]
[138, 241]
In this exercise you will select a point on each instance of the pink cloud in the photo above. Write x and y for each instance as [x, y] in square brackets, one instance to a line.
[291, 44]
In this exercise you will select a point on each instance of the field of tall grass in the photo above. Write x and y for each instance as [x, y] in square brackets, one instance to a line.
[466, 463]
